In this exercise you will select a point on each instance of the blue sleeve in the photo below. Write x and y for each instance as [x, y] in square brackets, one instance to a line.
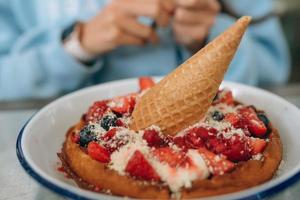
[33, 62]
[262, 57]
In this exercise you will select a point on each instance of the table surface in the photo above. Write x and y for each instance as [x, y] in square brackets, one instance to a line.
[16, 184]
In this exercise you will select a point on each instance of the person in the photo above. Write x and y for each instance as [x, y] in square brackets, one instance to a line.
[53, 47]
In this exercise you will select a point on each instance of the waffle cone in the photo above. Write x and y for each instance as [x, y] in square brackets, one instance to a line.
[183, 97]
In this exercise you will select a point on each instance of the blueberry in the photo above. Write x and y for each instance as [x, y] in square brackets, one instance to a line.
[266, 122]
[218, 116]
[108, 121]
[86, 135]
[264, 119]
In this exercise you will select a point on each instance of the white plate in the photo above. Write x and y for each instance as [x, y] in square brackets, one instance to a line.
[42, 137]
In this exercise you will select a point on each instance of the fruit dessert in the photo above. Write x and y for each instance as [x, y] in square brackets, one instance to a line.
[180, 138]
[223, 153]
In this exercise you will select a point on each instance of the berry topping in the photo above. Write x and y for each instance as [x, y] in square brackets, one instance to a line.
[123, 104]
[218, 165]
[236, 148]
[224, 96]
[193, 139]
[97, 152]
[75, 138]
[120, 123]
[109, 134]
[169, 156]
[96, 111]
[86, 135]
[233, 119]
[140, 168]
[265, 120]
[257, 145]
[217, 116]
[146, 82]
[252, 122]
[108, 121]
[153, 138]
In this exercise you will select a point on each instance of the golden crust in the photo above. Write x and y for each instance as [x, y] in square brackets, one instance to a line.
[91, 174]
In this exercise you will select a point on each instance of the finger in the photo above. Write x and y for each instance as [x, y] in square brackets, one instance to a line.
[184, 15]
[212, 5]
[132, 26]
[149, 8]
[127, 39]
[193, 33]
[169, 5]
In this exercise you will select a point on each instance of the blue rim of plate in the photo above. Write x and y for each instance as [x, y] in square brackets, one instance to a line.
[67, 193]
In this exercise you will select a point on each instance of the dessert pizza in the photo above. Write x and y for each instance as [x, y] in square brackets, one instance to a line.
[233, 148]
[179, 138]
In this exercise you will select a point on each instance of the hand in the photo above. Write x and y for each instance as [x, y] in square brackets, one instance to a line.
[117, 24]
[193, 20]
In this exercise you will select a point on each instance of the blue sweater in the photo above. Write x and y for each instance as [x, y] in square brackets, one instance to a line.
[33, 62]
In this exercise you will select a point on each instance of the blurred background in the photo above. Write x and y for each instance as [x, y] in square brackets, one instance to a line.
[289, 12]
[289, 15]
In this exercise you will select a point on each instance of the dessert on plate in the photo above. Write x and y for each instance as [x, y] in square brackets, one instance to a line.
[180, 138]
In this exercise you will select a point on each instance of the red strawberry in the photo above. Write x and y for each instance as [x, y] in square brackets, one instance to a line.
[139, 167]
[97, 152]
[217, 145]
[233, 119]
[237, 149]
[180, 142]
[120, 123]
[169, 156]
[96, 111]
[75, 138]
[146, 82]
[193, 140]
[224, 96]
[153, 138]
[109, 134]
[218, 164]
[123, 104]
[257, 145]
[252, 122]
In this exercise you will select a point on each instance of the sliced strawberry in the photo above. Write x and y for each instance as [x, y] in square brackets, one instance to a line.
[146, 82]
[236, 148]
[96, 111]
[233, 119]
[169, 156]
[75, 138]
[257, 145]
[109, 134]
[139, 167]
[180, 142]
[119, 122]
[193, 140]
[153, 138]
[253, 123]
[218, 165]
[216, 145]
[224, 96]
[124, 104]
[97, 152]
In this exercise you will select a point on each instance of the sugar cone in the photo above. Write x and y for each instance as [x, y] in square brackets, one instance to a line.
[183, 97]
